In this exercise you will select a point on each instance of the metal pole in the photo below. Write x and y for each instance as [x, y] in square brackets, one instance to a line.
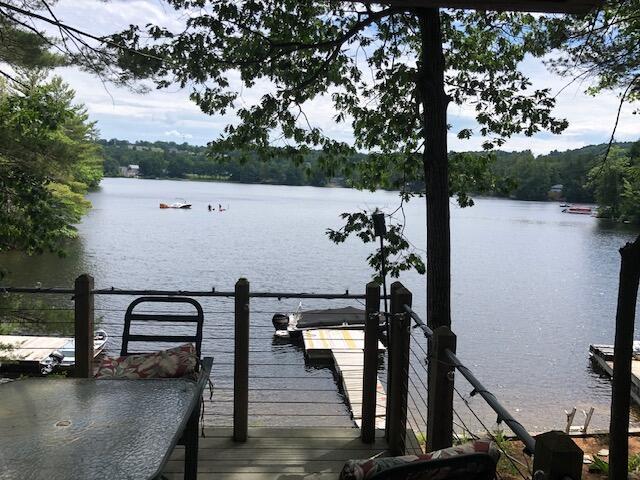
[383, 269]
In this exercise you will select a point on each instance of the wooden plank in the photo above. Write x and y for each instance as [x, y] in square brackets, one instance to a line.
[291, 433]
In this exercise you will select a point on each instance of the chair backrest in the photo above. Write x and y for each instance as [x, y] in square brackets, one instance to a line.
[473, 466]
[130, 316]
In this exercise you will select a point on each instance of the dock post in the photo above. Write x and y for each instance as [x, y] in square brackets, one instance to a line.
[370, 369]
[400, 331]
[558, 457]
[622, 357]
[83, 326]
[440, 401]
[241, 362]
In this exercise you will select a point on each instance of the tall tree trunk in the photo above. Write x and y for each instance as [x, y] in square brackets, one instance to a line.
[430, 86]
[436, 169]
[622, 356]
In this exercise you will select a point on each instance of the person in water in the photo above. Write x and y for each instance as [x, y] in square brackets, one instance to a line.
[219, 207]
[209, 207]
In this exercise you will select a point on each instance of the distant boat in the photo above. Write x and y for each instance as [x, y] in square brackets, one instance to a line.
[565, 205]
[579, 210]
[179, 203]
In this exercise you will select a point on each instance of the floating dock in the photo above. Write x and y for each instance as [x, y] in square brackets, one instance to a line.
[602, 357]
[345, 348]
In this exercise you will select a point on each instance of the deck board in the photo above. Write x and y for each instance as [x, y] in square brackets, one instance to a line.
[277, 453]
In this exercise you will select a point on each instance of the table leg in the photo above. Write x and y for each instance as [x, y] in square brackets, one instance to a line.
[191, 445]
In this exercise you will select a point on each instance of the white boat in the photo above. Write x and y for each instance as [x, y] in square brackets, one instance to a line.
[179, 203]
[66, 356]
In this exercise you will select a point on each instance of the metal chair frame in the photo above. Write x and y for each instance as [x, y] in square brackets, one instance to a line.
[130, 316]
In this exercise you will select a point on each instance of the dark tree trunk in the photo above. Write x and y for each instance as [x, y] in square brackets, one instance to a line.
[436, 169]
[622, 356]
[430, 86]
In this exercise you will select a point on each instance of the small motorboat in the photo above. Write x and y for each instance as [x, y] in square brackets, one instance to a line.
[579, 210]
[179, 203]
[66, 356]
[295, 323]
[565, 205]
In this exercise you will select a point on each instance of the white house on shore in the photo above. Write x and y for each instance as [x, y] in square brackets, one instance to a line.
[130, 171]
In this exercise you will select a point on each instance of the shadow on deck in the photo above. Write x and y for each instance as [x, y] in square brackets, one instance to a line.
[277, 453]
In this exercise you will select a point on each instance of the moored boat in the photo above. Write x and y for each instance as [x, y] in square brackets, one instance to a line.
[30, 353]
[299, 321]
[179, 203]
[579, 210]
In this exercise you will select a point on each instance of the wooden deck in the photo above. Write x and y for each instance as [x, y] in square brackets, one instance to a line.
[276, 453]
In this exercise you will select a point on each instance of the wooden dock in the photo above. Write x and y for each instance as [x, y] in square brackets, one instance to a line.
[276, 453]
[602, 358]
[345, 348]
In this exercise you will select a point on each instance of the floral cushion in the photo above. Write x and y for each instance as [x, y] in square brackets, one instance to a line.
[174, 362]
[366, 469]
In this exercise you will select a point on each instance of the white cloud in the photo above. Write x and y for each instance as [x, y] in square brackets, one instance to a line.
[176, 133]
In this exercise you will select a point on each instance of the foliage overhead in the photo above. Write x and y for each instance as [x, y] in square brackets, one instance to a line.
[603, 46]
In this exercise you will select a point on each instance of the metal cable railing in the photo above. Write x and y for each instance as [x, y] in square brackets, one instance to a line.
[503, 415]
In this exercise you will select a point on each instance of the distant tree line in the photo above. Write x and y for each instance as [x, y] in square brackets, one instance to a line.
[173, 160]
[614, 184]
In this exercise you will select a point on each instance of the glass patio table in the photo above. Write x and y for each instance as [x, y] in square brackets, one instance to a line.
[88, 429]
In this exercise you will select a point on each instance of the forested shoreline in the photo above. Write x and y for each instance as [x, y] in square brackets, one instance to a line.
[522, 175]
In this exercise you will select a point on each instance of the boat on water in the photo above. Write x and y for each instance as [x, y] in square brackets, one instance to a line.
[293, 324]
[565, 205]
[179, 203]
[579, 210]
[43, 354]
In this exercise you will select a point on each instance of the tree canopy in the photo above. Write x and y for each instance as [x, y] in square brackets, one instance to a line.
[48, 160]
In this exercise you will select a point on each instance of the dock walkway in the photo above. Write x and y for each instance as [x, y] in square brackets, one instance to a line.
[602, 357]
[345, 348]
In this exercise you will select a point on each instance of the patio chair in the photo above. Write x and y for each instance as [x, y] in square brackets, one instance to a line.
[149, 365]
[475, 460]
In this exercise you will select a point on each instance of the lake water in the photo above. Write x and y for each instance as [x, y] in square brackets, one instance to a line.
[532, 287]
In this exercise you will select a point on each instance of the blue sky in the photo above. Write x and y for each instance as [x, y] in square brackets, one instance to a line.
[170, 115]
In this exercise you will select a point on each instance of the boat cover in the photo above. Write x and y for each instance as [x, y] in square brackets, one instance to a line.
[331, 317]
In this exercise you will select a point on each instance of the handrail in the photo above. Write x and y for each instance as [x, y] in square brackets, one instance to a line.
[186, 293]
[503, 415]
[419, 322]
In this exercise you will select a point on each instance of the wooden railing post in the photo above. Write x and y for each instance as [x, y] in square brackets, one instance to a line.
[83, 323]
[241, 362]
[557, 457]
[440, 402]
[396, 420]
[370, 373]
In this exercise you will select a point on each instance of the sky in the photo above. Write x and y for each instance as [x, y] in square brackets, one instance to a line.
[169, 115]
